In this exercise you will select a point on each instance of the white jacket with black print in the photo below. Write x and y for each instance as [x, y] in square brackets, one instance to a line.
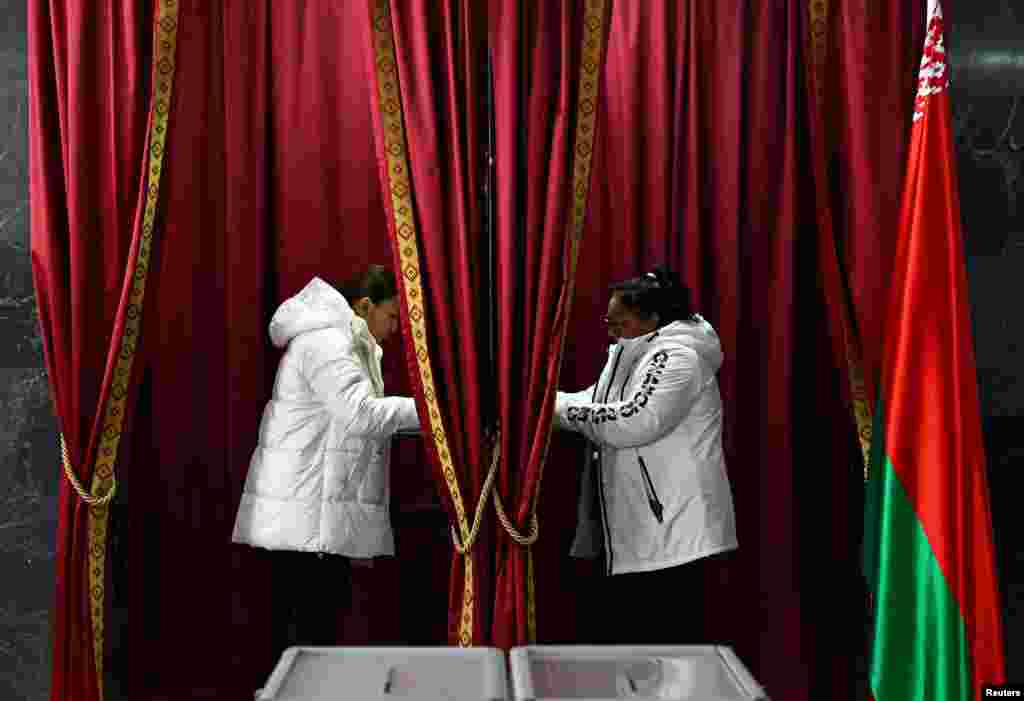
[655, 492]
[318, 480]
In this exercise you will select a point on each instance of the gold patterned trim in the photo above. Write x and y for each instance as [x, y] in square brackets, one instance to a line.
[861, 406]
[586, 126]
[165, 34]
[818, 13]
[406, 243]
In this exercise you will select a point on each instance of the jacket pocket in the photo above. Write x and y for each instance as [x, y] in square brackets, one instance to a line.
[652, 495]
[373, 487]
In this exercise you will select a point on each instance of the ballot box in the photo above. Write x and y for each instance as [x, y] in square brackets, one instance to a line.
[685, 673]
[388, 674]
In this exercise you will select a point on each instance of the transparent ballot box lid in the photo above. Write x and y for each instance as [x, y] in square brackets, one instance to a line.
[387, 674]
[685, 673]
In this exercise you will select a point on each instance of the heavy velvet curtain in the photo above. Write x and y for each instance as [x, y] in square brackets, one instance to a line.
[698, 166]
[270, 180]
[870, 55]
[705, 160]
[426, 60]
[547, 62]
[96, 134]
[713, 151]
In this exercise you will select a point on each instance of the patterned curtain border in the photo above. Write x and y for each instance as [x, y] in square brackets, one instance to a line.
[818, 14]
[165, 33]
[406, 243]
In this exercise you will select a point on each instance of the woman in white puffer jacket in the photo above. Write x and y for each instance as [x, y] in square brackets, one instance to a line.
[318, 484]
[655, 500]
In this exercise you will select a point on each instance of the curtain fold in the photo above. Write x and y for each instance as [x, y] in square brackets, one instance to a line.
[269, 181]
[869, 74]
[700, 162]
[695, 144]
[860, 68]
[847, 344]
[547, 58]
[427, 58]
[859, 132]
[94, 191]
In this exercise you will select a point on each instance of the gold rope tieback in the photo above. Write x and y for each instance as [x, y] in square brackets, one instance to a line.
[510, 528]
[84, 495]
[488, 490]
[464, 547]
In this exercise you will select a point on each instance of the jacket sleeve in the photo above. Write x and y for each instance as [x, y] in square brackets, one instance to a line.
[672, 380]
[563, 399]
[337, 379]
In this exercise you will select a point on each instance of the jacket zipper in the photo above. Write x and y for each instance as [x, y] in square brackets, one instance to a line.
[652, 495]
[605, 528]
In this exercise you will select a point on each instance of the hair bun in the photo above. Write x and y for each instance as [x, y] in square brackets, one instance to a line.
[657, 291]
[664, 277]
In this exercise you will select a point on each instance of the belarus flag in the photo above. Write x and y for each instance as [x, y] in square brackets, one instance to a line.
[928, 553]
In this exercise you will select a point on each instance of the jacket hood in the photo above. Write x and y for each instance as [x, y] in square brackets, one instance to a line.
[316, 306]
[695, 333]
[699, 335]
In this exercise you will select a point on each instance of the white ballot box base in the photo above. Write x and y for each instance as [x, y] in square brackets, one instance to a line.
[685, 673]
[387, 674]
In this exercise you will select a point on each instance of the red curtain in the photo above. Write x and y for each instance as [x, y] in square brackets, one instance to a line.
[547, 58]
[426, 58]
[269, 181]
[699, 160]
[862, 62]
[91, 170]
[710, 183]
[702, 162]
[869, 74]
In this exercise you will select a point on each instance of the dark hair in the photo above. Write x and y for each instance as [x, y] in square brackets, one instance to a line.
[656, 292]
[376, 282]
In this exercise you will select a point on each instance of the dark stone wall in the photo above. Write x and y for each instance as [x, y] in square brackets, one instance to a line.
[988, 105]
[28, 452]
[990, 132]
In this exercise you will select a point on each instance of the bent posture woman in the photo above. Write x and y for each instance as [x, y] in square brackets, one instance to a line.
[318, 484]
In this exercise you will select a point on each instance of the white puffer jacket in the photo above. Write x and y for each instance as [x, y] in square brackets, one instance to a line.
[319, 478]
[655, 492]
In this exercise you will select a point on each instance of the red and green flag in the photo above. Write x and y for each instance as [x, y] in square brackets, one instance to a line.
[928, 550]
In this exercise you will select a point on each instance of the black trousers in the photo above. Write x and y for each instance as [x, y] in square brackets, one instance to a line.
[311, 593]
[674, 606]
